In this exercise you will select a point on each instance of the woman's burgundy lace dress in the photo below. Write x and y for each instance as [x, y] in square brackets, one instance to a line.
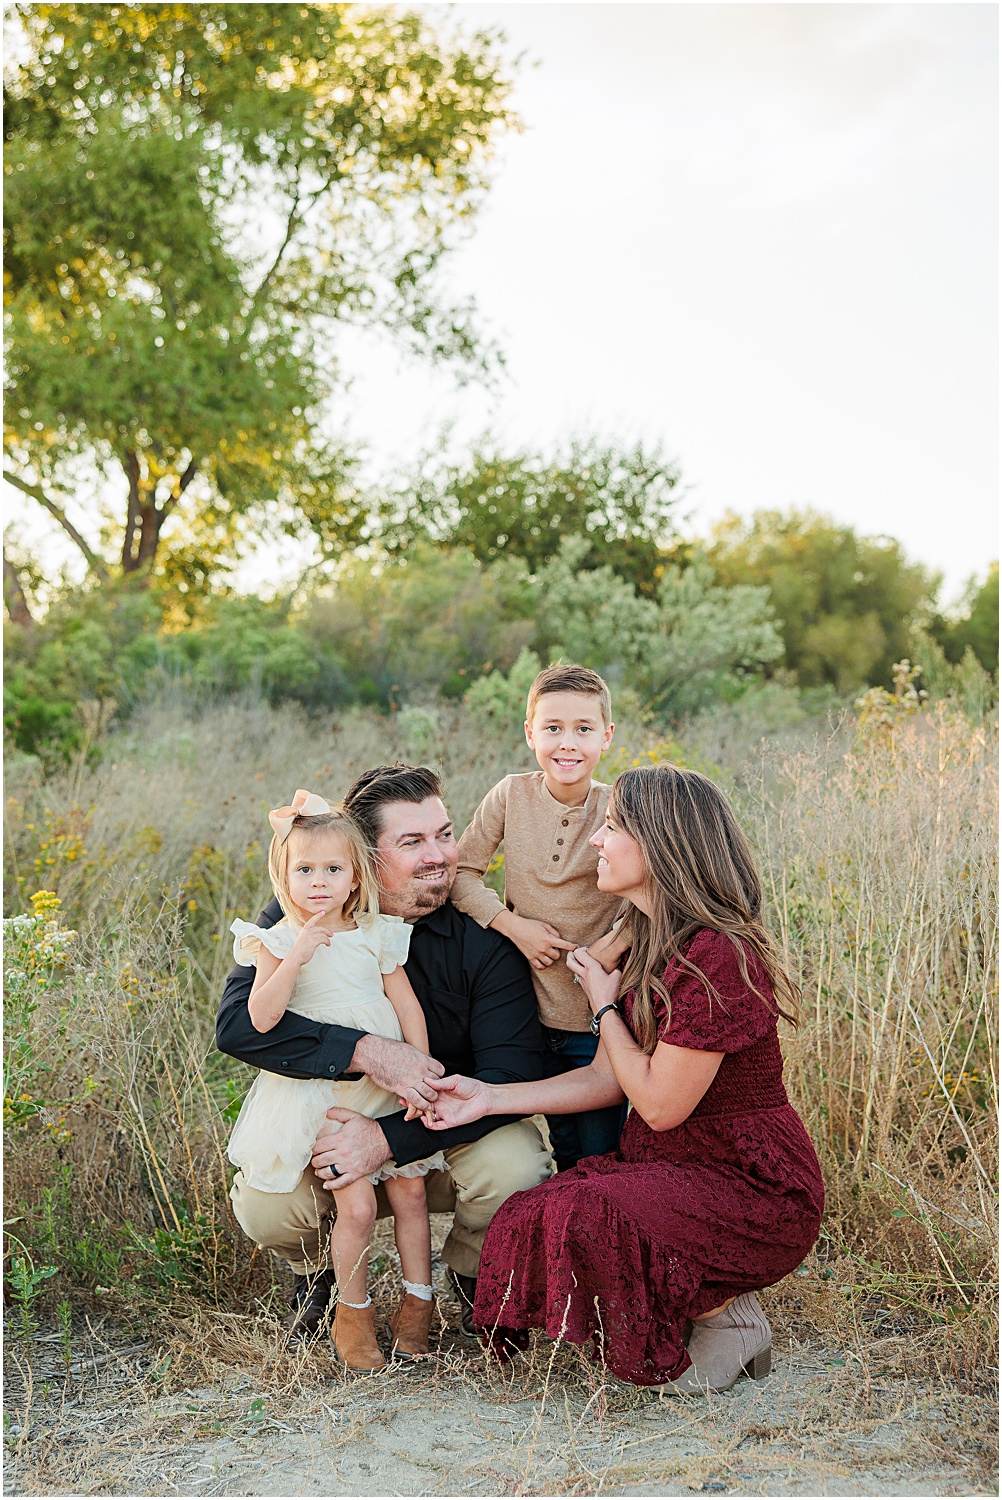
[624, 1248]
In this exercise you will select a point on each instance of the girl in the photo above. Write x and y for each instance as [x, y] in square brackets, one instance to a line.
[334, 958]
[656, 1251]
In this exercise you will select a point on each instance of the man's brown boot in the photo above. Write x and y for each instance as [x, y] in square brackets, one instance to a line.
[410, 1325]
[354, 1335]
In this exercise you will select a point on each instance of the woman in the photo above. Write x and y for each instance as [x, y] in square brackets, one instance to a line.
[655, 1251]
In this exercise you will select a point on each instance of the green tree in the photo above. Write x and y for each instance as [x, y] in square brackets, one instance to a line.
[695, 643]
[977, 627]
[621, 499]
[425, 623]
[846, 604]
[196, 196]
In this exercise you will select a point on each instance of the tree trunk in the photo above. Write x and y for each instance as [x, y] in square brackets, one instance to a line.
[13, 596]
[130, 559]
[146, 518]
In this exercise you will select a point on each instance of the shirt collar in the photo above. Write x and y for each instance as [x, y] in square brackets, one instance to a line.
[440, 920]
[555, 806]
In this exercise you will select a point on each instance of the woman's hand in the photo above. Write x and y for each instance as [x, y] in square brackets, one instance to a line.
[600, 988]
[460, 1100]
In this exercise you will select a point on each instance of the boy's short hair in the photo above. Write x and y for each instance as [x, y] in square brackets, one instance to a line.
[398, 783]
[567, 678]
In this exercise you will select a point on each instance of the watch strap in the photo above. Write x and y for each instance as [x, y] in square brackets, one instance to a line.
[596, 1020]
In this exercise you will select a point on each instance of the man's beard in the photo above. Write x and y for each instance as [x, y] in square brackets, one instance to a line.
[425, 897]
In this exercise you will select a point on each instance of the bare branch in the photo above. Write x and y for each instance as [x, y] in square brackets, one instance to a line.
[95, 563]
[291, 225]
[13, 595]
[300, 206]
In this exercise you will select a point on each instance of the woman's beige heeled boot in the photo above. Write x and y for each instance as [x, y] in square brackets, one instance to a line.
[354, 1335]
[738, 1341]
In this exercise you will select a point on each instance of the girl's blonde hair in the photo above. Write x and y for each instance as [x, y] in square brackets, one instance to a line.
[700, 873]
[362, 904]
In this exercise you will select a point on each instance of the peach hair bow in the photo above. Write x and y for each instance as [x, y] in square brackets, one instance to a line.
[304, 805]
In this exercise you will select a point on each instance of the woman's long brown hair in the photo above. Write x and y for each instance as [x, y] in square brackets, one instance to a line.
[700, 873]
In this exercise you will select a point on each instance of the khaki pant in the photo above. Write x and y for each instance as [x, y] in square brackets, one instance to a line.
[481, 1176]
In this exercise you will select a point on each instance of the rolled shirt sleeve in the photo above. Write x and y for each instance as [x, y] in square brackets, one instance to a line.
[477, 848]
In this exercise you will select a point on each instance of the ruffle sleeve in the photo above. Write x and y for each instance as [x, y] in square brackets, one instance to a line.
[248, 940]
[729, 1023]
[393, 941]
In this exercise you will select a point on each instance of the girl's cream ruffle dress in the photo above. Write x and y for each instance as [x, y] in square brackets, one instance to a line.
[280, 1119]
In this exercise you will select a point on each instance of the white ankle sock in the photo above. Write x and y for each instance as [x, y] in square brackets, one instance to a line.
[426, 1293]
[366, 1303]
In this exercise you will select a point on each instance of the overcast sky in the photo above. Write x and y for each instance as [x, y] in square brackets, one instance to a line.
[763, 235]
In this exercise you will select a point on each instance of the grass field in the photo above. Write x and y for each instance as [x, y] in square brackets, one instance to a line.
[130, 1286]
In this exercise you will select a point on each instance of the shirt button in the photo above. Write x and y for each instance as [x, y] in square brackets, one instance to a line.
[559, 841]
[563, 822]
[556, 856]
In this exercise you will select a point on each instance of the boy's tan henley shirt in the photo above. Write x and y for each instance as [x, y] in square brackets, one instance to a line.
[550, 876]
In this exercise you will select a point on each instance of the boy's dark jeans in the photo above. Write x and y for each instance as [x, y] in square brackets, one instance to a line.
[594, 1131]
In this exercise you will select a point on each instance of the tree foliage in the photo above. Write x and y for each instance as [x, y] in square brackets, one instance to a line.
[977, 626]
[694, 643]
[423, 624]
[196, 195]
[845, 604]
[622, 499]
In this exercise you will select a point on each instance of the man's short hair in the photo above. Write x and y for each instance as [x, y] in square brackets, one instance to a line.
[566, 678]
[398, 783]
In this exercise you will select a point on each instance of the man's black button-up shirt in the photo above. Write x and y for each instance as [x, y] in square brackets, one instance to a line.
[476, 992]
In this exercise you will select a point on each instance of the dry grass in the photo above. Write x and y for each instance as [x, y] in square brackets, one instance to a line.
[216, 1405]
[879, 855]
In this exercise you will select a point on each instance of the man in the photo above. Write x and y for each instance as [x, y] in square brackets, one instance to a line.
[476, 992]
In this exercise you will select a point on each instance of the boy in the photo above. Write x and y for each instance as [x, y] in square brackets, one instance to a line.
[552, 902]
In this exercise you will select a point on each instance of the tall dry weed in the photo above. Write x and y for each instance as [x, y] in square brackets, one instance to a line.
[878, 854]
[881, 869]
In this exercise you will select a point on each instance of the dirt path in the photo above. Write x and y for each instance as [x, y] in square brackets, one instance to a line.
[454, 1426]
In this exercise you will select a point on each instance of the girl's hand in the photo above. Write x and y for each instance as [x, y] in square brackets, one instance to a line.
[460, 1101]
[427, 1114]
[312, 935]
[600, 988]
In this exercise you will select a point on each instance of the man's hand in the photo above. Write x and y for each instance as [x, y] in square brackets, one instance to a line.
[541, 943]
[397, 1067]
[460, 1101]
[358, 1149]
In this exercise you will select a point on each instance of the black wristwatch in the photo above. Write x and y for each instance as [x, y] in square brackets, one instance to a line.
[597, 1017]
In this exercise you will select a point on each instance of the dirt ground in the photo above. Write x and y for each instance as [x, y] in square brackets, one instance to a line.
[105, 1416]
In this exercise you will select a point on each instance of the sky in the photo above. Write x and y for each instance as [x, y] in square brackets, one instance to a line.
[763, 236]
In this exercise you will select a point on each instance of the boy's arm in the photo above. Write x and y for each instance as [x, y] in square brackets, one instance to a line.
[610, 948]
[541, 944]
[477, 848]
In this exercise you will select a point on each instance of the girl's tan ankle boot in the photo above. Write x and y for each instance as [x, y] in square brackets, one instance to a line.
[410, 1325]
[354, 1335]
